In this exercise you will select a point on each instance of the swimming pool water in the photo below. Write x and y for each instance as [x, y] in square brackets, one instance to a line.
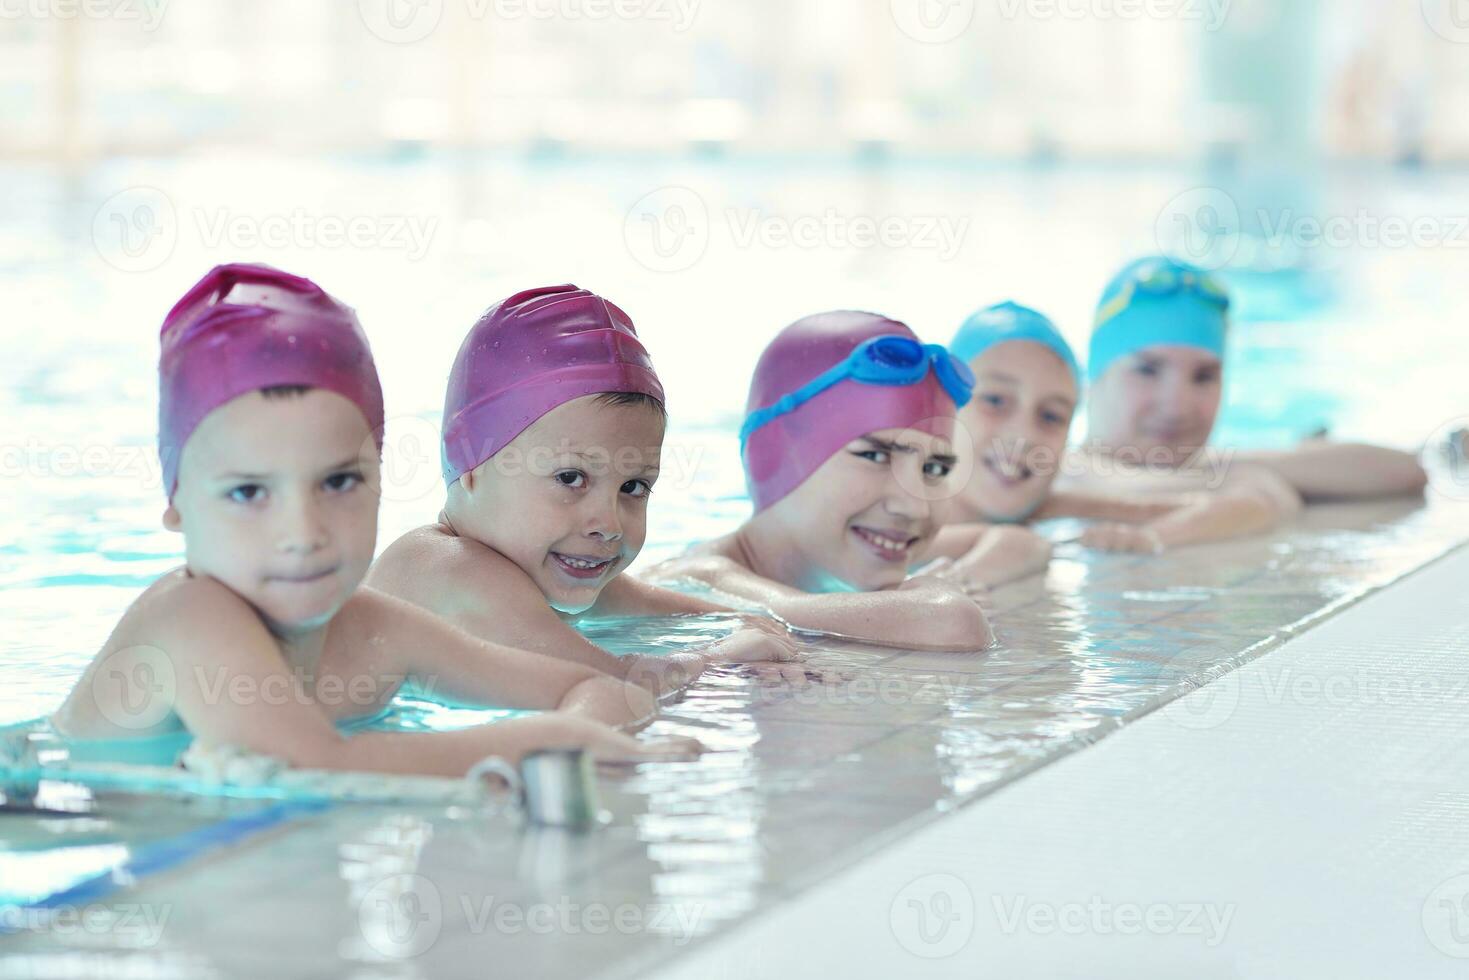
[799, 778]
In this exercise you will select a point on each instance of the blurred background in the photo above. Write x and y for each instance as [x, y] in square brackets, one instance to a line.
[1024, 80]
[718, 168]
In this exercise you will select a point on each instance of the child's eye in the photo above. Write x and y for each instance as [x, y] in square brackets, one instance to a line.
[246, 493]
[1053, 419]
[1147, 369]
[993, 401]
[637, 488]
[575, 479]
[1206, 376]
[344, 481]
[936, 470]
[872, 455]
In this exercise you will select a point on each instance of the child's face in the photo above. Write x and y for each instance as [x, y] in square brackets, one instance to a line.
[1017, 421]
[567, 499]
[1160, 402]
[866, 513]
[277, 499]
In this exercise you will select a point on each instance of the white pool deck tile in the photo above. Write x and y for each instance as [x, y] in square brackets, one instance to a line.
[1306, 815]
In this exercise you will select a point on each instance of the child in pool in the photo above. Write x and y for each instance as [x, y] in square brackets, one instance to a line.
[1156, 372]
[846, 443]
[553, 429]
[1027, 386]
[270, 435]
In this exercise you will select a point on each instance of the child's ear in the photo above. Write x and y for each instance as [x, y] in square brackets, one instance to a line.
[171, 519]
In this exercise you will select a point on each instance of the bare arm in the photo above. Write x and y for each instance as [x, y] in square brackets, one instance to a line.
[924, 616]
[1254, 502]
[487, 596]
[300, 733]
[454, 667]
[1107, 507]
[628, 596]
[1320, 470]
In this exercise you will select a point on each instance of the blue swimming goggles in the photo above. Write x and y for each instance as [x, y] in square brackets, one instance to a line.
[891, 360]
[1163, 279]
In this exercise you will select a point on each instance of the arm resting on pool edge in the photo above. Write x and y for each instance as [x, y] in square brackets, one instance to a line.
[451, 666]
[1255, 501]
[1335, 471]
[488, 596]
[212, 639]
[922, 615]
[986, 556]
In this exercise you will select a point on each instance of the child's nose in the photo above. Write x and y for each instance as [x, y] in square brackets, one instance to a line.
[903, 502]
[605, 522]
[301, 530]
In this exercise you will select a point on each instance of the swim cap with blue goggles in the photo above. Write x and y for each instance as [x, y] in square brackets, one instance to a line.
[1158, 301]
[888, 360]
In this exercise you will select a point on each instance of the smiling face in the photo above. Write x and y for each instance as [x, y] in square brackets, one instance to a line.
[1017, 422]
[1160, 402]
[277, 499]
[865, 513]
[567, 499]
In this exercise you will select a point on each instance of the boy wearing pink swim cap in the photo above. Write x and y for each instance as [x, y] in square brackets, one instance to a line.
[552, 434]
[847, 445]
[270, 427]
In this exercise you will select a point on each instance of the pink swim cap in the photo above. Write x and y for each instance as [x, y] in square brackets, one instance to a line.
[528, 354]
[782, 453]
[247, 327]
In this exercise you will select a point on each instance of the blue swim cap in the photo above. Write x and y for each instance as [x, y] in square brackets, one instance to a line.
[1010, 321]
[1155, 301]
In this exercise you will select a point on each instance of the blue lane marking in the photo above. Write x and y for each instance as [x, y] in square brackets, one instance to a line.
[170, 852]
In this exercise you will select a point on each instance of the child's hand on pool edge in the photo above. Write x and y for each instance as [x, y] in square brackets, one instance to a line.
[618, 749]
[752, 646]
[664, 676]
[1127, 538]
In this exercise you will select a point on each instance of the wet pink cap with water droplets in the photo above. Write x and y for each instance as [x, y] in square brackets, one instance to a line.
[246, 327]
[529, 354]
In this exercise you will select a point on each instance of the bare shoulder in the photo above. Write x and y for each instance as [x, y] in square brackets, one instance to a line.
[438, 570]
[179, 622]
[706, 561]
[187, 610]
